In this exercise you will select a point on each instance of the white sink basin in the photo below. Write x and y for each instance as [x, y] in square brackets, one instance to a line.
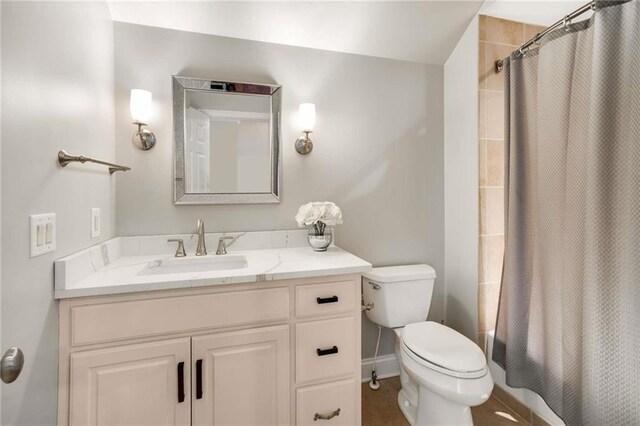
[183, 265]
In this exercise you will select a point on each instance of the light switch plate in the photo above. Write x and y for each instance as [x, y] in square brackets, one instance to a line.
[95, 223]
[42, 233]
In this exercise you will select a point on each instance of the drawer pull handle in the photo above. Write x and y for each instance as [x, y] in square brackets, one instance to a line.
[181, 382]
[319, 416]
[323, 300]
[199, 379]
[323, 352]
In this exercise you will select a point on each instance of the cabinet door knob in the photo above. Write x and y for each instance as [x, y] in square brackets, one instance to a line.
[181, 382]
[323, 300]
[319, 416]
[199, 379]
[323, 352]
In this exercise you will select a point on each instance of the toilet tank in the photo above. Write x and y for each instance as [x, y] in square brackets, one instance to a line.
[401, 295]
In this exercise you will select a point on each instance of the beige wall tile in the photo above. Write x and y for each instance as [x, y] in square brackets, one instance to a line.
[482, 264]
[494, 160]
[482, 307]
[482, 65]
[494, 253]
[498, 38]
[482, 162]
[503, 31]
[482, 341]
[495, 115]
[508, 400]
[482, 114]
[530, 31]
[482, 200]
[494, 80]
[482, 27]
[488, 297]
[492, 211]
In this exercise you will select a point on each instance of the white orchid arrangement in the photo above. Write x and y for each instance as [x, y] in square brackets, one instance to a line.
[319, 214]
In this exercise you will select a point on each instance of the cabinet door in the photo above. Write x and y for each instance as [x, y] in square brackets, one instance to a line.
[141, 384]
[241, 377]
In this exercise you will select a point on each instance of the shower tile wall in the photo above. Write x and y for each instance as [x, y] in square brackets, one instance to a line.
[497, 38]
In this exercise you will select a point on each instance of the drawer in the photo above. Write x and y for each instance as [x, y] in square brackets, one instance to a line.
[106, 322]
[325, 400]
[325, 349]
[325, 299]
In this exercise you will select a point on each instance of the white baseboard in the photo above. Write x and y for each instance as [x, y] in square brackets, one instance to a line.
[386, 366]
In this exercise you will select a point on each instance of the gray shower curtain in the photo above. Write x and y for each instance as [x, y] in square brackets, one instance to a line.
[568, 324]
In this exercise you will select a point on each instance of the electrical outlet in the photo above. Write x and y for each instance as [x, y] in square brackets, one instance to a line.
[95, 223]
[42, 233]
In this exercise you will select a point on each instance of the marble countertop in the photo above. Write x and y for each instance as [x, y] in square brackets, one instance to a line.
[131, 273]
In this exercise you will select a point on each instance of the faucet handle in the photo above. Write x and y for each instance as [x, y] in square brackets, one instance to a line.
[180, 250]
[222, 248]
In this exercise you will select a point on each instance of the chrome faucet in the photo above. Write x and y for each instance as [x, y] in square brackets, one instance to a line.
[201, 250]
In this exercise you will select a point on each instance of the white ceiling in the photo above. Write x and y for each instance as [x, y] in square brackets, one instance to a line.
[413, 31]
[422, 31]
[541, 12]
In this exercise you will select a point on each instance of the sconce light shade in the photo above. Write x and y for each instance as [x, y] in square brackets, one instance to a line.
[307, 117]
[140, 105]
[307, 121]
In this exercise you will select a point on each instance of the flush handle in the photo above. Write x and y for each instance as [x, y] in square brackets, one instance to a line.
[11, 365]
[323, 352]
[323, 300]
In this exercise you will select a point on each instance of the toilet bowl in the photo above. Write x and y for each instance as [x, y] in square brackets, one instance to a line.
[445, 393]
[443, 373]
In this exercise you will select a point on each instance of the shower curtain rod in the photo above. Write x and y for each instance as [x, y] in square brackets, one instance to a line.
[563, 22]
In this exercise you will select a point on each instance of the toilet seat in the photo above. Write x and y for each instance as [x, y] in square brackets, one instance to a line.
[444, 350]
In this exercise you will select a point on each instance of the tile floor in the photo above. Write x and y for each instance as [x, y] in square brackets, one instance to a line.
[379, 408]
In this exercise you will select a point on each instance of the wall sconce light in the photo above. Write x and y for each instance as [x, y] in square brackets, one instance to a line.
[307, 120]
[140, 105]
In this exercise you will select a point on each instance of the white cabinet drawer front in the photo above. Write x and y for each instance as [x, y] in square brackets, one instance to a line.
[323, 299]
[319, 405]
[141, 318]
[325, 349]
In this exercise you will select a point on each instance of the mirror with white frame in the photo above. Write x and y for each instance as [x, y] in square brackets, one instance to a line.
[227, 142]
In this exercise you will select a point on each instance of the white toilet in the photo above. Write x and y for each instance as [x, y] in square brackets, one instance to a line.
[443, 373]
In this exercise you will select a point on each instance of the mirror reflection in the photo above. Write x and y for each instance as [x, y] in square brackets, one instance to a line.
[227, 147]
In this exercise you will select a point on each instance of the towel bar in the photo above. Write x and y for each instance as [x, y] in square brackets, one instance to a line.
[64, 159]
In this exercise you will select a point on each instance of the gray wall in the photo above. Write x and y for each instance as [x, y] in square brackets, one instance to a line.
[461, 184]
[57, 92]
[378, 145]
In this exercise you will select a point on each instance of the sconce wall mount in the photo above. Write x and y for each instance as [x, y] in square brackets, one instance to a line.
[304, 145]
[143, 138]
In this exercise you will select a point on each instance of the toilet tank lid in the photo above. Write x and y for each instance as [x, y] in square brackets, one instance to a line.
[390, 274]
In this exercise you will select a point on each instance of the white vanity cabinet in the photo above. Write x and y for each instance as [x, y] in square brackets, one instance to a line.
[266, 353]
